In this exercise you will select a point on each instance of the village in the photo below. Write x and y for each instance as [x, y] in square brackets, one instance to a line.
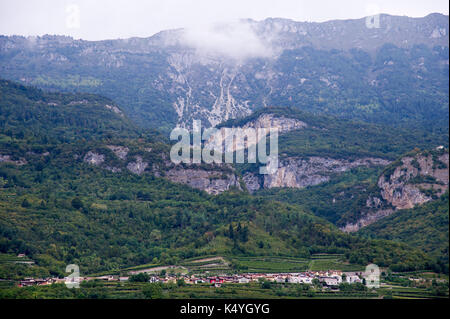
[330, 279]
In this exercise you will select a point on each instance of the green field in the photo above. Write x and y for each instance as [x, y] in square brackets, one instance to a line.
[332, 262]
[269, 264]
[9, 258]
[263, 264]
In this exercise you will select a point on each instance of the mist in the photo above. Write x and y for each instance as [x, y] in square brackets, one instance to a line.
[233, 39]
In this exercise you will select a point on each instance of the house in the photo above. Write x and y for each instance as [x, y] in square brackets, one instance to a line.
[305, 280]
[338, 278]
[26, 282]
[330, 281]
[354, 273]
[294, 280]
[43, 282]
[153, 279]
[123, 278]
[352, 279]
[31, 282]
[107, 277]
[61, 280]
[243, 280]
[216, 280]
[280, 280]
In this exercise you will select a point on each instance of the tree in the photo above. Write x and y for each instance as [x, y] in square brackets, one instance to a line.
[230, 232]
[141, 277]
[77, 203]
[25, 203]
[152, 291]
[316, 282]
[266, 284]
[244, 236]
[155, 235]
[42, 205]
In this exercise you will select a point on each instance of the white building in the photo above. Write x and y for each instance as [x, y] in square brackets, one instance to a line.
[352, 279]
[153, 279]
[330, 281]
[306, 280]
[280, 280]
[338, 278]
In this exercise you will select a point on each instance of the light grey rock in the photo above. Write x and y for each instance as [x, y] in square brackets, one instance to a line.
[8, 159]
[94, 158]
[137, 167]
[252, 182]
[213, 182]
[400, 190]
[304, 172]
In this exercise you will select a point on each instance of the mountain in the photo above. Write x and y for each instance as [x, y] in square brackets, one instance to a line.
[85, 175]
[414, 179]
[424, 227]
[30, 112]
[80, 201]
[328, 165]
[397, 73]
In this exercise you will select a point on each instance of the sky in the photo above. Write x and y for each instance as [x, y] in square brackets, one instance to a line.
[112, 19]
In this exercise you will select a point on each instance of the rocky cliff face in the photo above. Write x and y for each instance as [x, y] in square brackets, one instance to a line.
[283, 124]
[266, 120]
[120, 151]
[411, 181]
[303, 172]
[94, 158]
[9, 159]
[415, 180]
[213, 180]
[138, 166]
[367, 220]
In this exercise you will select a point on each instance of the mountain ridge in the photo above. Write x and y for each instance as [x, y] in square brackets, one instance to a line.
[160, 82]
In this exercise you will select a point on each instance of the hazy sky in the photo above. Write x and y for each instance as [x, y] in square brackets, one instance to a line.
[109, 19]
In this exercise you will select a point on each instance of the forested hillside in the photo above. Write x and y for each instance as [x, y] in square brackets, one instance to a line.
[58, 209]
[424, 227]
[339, 138]
[343, 194]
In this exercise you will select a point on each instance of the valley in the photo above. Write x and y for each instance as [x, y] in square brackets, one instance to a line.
[86, 176]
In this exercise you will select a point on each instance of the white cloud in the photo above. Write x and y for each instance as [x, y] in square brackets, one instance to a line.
[235, 39]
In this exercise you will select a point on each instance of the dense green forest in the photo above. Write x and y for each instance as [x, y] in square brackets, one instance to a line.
[29, 113]
[424, 227]
[59, 210]
[341, 198]
[340, 138]
[333, 200]
[105, 221]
